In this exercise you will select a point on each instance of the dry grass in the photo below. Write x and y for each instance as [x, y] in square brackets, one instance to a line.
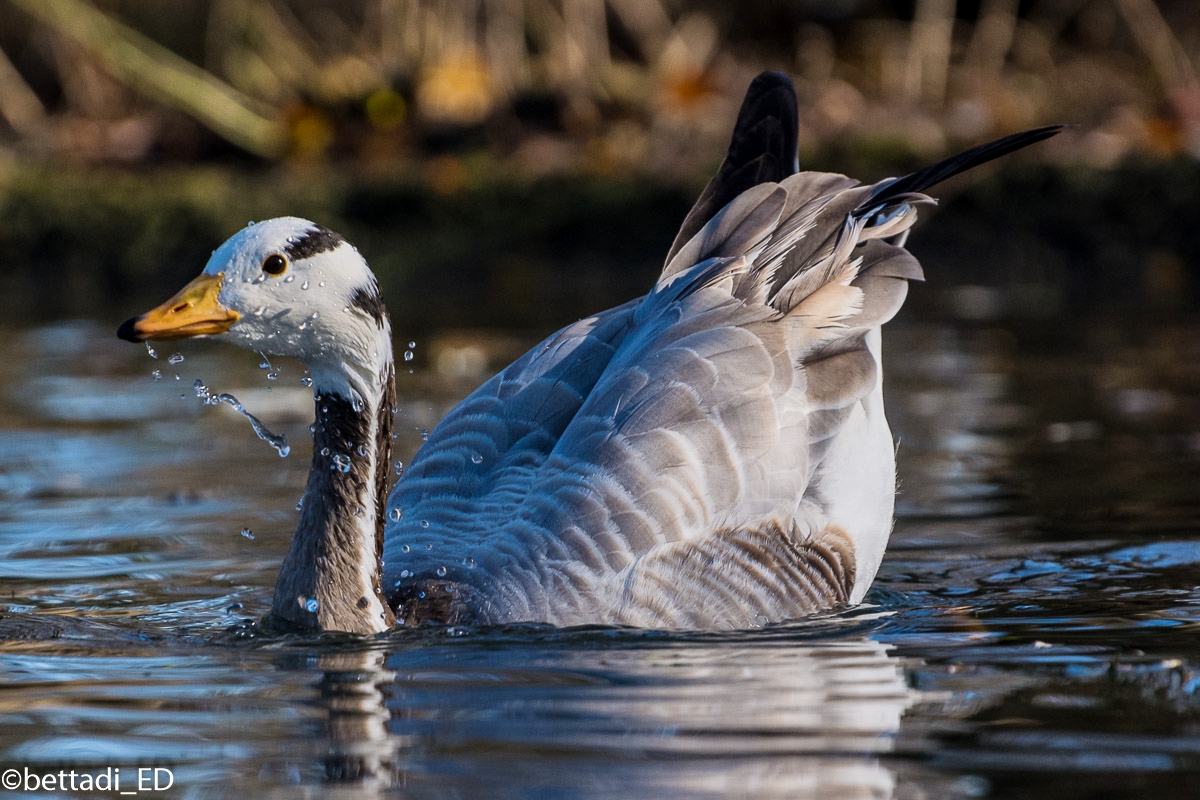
[605, 86]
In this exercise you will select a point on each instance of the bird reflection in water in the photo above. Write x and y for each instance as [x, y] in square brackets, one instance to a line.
[485, 716]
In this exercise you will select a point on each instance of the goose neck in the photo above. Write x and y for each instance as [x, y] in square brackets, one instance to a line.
[331, 576]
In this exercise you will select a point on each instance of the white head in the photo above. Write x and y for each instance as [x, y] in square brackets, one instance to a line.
[287, 287]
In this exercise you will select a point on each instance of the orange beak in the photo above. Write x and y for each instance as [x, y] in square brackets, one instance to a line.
[194, 311]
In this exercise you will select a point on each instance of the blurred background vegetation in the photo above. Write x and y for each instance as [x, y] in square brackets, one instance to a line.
[519, 163]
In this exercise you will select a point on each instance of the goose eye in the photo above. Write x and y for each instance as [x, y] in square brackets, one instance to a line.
[275, 264]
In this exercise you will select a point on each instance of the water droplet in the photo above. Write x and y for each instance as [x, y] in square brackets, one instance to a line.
[175, 358]
[300, 503]
[358, 511]
[399, 465]
[396, 514]
[412, 345]
[272, 375]
[361, 450]
[469, 563]
[341, 463]
[304, 286]
[258, 312]
[357, 403]
[289, 279]
[404, 548]
[428, 547]
[311, 605]
[324, 451]
[250, 224]
[425, 434]
[306, 381]
[424, 523]
[265, 363]
[441, 571]
[404, 574]
[408, 355]
[421, 595]
[315, 315]
[156, 374]
[150, 350]
[302, 326]
[232, 607]
[322, 283]
[247, 533]
[476, 458]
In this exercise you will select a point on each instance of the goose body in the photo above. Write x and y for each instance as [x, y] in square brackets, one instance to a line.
[712, 455]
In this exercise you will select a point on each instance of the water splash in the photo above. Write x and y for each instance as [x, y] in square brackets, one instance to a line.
[152, 352]
[278, 441]
[247, 533]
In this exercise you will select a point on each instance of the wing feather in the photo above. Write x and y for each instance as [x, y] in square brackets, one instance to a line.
[687, 458]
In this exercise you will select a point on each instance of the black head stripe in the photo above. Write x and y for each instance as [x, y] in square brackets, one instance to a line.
[368, 301]
[318, 239]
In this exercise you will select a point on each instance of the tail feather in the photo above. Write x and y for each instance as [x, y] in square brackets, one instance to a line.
[816, 246]
[762, 150]
[891, 190]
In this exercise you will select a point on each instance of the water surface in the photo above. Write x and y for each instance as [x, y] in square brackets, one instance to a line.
[1033, 631]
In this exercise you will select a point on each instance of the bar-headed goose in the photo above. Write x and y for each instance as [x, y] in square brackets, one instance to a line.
[711, 455]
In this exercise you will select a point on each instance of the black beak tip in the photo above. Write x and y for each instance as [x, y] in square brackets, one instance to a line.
[128, 330]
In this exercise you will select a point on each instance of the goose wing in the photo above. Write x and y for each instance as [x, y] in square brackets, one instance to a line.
[684, 428]
[671, 461]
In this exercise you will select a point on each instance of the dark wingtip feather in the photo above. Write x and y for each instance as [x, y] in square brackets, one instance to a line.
[761, 150]
[924, 178]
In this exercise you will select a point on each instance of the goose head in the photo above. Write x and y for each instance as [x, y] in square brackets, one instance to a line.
[290, 287]
[285, 287]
